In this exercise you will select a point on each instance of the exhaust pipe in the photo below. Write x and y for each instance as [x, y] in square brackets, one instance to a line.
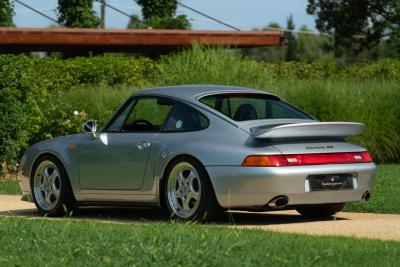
[366, 196]
[278, 202]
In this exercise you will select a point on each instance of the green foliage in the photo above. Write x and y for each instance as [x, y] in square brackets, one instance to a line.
[77, 14]
[179, 22]
[384, 194]
[94, 243]
[302, 46]
[200, 65]
[6, 13]
[68, 110]
[367, 92]
[269, 53]
[38, 96]
[20, 93]
[157, 8]
[346, 20]
[9, 187]
[311, 47]
[292, 41]
[29, 86]
[158, 14]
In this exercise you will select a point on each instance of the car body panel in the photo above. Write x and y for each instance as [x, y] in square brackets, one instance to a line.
[114, 161]
[111, 168]
[262, 184]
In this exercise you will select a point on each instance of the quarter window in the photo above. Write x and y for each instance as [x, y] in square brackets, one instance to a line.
[185, 119]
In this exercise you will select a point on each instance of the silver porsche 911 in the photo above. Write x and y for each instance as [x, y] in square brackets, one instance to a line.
[198, 150]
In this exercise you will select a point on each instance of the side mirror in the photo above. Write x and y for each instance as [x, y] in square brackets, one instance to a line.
[90, 127]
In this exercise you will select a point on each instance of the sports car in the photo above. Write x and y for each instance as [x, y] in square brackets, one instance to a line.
[196, 151]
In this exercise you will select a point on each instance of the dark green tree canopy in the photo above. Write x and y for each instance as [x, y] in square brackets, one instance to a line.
[77, 14]
[157, 8]
[6, 14]
[357, 24]
[159, 14]
[292, 41]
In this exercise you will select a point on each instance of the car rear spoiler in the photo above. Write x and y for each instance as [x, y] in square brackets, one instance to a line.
[308, 130]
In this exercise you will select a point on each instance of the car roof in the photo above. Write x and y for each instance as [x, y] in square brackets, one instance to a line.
[192, 92]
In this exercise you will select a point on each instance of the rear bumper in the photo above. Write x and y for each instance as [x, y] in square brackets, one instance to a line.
[254, 187]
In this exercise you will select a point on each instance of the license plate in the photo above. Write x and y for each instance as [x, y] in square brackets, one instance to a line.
[326, 182]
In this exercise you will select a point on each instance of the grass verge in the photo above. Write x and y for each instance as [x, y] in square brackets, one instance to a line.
[9, 185]
[64, 243]
[384, 193]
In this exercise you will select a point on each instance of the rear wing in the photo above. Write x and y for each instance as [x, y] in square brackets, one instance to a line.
[309, 130]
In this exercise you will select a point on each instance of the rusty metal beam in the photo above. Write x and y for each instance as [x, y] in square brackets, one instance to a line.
[61, 39]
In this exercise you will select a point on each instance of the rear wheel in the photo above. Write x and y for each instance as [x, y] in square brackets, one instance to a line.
[188, 191]
[324, 210]
[51, 190]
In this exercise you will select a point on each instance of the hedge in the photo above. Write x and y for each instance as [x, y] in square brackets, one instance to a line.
[38, 96]
[28, 85]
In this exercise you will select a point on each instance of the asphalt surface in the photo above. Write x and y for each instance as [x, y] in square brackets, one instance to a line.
[360, 225]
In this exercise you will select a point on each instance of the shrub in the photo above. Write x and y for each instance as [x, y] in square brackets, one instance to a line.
[67, 111]
[19, 96]
[38, 96]
[368, 92]
[30, 85]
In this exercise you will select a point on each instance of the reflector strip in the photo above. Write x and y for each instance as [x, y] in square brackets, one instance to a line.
[306, 159]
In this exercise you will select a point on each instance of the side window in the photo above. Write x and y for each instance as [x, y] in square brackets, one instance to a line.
[185, 119]
[147, 115]
[119, 121]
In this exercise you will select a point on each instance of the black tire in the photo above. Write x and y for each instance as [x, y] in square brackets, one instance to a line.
[208, 207]
[65, 202]
[320, 211]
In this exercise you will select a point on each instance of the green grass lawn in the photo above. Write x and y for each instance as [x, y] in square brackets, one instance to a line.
[385, 193]
[43, 242]
[9, 187]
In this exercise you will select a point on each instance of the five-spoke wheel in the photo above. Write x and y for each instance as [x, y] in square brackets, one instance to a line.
[184, 190]
[47, 185]
[51, 190]
[188, 191]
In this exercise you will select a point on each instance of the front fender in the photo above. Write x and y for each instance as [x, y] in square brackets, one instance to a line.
[62, 148]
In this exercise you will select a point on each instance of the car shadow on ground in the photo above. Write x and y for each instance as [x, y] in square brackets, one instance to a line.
[148, 215]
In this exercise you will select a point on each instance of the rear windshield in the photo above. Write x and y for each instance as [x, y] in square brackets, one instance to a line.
[244, 107]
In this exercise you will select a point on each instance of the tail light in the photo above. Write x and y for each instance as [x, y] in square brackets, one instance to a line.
[306, 159]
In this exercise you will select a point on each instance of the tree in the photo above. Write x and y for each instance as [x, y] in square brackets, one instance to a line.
[311, 47]
[77, 14]
[157, 8]
[159, 14]
[292, 41]
[269, 54]
[6, 14]
[357, 24]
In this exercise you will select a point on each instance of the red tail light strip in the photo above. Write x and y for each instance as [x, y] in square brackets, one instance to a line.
[306, 159]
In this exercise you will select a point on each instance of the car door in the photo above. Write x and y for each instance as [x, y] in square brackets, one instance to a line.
[117, 158]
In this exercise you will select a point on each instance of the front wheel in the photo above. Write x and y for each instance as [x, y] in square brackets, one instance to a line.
[51, 190]
[188, 191]
[323, 210]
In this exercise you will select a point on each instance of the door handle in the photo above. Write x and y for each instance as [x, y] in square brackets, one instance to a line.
[143, 145]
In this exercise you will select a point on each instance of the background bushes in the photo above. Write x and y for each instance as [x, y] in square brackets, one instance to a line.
[39, 96]
[32, 89]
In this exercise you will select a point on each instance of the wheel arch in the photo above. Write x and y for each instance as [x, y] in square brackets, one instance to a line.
[168, 164]
[50, 153]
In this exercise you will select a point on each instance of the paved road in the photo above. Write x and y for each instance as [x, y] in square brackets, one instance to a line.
[363, 225]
